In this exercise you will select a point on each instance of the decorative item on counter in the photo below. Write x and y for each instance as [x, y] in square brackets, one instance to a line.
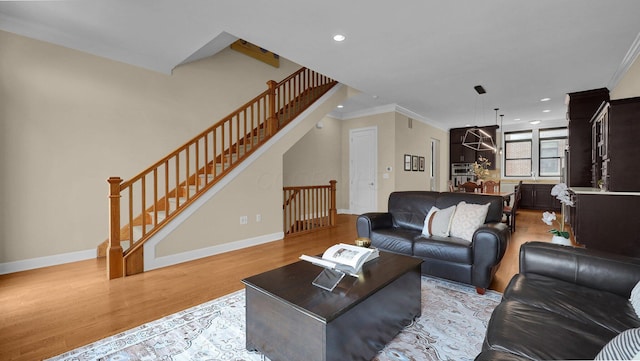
[481, 168]
[601, 184]
[560, 236]
[363, 242]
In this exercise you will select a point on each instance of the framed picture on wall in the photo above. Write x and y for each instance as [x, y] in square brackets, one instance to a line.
[407, 162]
[421, 165]
[414, 163]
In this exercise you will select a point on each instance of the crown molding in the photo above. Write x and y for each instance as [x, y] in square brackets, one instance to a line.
[418, 117]
[388, 108]
[626, 63]
[381, 109]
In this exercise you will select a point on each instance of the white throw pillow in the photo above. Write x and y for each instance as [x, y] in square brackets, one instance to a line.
[467, 218]
[625, 346]
[438, 222]
[635, 298]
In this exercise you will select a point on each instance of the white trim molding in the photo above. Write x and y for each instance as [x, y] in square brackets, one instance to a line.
[152, 262]
[388, 108]
[626, 63]
[39, 262]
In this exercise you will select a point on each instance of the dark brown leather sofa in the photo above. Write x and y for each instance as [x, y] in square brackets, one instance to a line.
[565, 303]
[399, 230]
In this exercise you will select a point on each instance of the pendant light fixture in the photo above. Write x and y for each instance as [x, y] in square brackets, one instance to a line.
[501, 132]
[476, 138]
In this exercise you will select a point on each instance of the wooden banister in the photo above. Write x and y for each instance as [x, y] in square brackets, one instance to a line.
[309, 208]
[142, 205]
[114, 250]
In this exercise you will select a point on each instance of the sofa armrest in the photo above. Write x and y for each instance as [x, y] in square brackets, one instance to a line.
[489, 244]
[585, 267]
[374, 220]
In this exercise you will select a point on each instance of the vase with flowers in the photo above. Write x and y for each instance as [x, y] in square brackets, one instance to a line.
[481, 168]
[560, 236]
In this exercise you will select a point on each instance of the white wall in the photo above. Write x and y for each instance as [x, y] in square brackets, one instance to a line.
[70, 120]
[629, 85]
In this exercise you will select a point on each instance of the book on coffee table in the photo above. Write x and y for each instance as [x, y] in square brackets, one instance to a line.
[344, 257]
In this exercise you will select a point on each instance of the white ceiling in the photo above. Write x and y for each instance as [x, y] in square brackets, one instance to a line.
[422, 57]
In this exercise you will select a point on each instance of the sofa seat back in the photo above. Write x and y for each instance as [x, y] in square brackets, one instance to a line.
[410, 208]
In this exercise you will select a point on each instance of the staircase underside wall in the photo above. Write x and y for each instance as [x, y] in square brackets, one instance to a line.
[253, 188]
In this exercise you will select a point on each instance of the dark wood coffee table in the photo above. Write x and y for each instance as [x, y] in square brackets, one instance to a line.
[288, 318]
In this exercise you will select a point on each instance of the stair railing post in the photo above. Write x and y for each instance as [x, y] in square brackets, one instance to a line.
[115, 257]
[333, 213]
[272, 120]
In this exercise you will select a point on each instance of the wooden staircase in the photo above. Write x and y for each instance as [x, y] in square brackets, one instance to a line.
[141, 206]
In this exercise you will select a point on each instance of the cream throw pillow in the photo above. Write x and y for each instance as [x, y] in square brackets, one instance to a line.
[635, 298]
[467, 218]
[438, 221]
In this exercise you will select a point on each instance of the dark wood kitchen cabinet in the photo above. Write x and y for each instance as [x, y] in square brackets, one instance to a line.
[458, 153]
[615, 145]
[461, 154]
[538, 196]
[581, 107]
[605, 221]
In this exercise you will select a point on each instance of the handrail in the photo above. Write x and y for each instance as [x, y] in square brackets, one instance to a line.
[309, 208]
[153, 197]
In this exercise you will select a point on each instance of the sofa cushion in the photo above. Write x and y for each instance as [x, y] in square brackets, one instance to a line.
[450, 249]
[409, 208]
[438, 221]
[570, 300]
[625, 346]
[396, 240]
[539, 334]
[467, 219]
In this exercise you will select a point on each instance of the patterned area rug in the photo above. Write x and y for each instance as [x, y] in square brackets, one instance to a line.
[452, 327]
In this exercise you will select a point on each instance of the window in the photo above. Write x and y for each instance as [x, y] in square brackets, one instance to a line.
[546, 159]
[517, 155]
[552, 145]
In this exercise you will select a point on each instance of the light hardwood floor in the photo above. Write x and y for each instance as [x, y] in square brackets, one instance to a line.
[48, 311]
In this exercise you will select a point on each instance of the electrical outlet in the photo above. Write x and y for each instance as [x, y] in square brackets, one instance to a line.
[258, 217]
[244, 220]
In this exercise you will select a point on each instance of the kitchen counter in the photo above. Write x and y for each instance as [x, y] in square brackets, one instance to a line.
[598, 191]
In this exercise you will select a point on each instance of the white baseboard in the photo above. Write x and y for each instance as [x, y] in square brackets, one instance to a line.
[33, 263]
[152, 262]
[343, 211]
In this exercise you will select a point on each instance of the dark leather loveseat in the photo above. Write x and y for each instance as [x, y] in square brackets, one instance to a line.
[565, 303]
[399, 230]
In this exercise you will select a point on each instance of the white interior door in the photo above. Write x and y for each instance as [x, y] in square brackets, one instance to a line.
[363, 170]
[434, 166]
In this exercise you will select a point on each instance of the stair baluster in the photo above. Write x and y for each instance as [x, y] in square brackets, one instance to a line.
[192, 169]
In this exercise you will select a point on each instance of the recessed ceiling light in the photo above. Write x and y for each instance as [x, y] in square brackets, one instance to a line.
[534, 122]
[546, 111]
[340, 106]
[545, 99]
[339, 37]
[517, 119]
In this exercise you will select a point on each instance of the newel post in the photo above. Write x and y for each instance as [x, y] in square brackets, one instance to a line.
[272, 119]
[115, 257]
[333, 213]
